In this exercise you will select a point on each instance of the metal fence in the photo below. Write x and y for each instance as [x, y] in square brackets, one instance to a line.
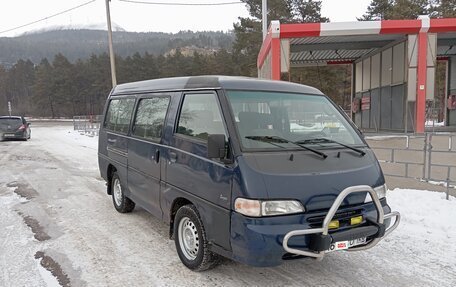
[87, 124]
[430, 157]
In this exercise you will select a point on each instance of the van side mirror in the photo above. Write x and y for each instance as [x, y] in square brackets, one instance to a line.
[216, 146]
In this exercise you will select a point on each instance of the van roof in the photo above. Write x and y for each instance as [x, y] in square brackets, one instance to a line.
[212, 82]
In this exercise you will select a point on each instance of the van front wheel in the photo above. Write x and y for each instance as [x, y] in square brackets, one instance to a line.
[122, 203]
[190, 239]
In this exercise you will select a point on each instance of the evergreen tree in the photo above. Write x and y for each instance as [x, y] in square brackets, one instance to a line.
[62, 87]
[100, 74]
[43, 97]
[247, 45]
[19, 91]
[378, 10]
[3, 88]
[409, 9]
[307, 11]
[395, 9]
[150, 63]
[443, 8]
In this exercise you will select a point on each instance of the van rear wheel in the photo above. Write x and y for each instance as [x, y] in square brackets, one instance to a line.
[191, 241]
[122, 203]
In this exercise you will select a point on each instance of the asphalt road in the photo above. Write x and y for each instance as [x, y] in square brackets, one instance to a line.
[55, 214]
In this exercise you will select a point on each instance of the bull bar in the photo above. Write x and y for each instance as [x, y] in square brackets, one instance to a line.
[329, 217]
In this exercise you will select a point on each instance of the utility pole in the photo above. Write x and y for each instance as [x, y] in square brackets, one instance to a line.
[264, 17]
[111, 50]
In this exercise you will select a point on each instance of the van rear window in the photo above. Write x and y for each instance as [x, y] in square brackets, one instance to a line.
[150, 118]
[119, 115]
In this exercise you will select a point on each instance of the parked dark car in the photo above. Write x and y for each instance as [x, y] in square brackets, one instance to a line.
[14, 127]
[243, 168]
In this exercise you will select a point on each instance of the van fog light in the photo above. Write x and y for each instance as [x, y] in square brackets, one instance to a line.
[257, 208]
[334, 224]
[356, 220]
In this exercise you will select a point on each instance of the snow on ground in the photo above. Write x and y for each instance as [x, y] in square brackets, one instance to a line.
[53, 201]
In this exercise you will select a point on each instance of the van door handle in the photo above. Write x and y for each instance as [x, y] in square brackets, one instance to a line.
[156, 156]
[172, 157]
[112, 140]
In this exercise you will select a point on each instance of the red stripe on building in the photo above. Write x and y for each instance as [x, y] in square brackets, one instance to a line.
[421, 83]
[275, 59]
[264, 51]
[400, 27]
[300, 30]
[443, 25]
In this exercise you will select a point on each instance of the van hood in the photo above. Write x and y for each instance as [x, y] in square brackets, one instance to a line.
[307, 177]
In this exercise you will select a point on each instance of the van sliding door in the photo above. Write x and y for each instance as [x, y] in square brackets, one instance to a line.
[145, 152]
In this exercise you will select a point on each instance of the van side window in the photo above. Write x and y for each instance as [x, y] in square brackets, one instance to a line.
[200, 116]
[119, 115]
[150, 118]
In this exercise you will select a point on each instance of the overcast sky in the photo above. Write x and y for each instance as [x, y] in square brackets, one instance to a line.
[142, 17]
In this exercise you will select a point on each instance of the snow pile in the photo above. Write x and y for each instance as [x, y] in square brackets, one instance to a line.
[425, 213]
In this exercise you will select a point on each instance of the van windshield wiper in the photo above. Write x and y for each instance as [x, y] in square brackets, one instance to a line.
[325, 140]
[276, 139]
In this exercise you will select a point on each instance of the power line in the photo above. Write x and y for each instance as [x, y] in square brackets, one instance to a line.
[181, 3]
[48, 17]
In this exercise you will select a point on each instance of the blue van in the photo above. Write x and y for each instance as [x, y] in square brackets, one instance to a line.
[253, 170]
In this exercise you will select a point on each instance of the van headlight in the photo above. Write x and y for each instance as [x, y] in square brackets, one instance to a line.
[379, 190]
[258, 208]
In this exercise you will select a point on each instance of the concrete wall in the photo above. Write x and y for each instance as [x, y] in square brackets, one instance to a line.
[408, 157]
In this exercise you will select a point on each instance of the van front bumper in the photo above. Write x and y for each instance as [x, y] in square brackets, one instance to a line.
[267, 241]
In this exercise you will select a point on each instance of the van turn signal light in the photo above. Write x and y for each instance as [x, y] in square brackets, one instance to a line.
[356, 220]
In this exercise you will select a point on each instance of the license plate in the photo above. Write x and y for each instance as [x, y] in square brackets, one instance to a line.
[8, 135]
[341, 245]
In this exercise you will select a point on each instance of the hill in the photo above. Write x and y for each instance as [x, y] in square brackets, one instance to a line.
[80, 44]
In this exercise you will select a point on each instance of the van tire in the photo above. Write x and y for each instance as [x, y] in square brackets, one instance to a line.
[121, 203]
[188, 220]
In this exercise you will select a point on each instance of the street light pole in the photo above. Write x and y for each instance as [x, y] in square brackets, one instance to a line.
[111, 50]
[264, 11]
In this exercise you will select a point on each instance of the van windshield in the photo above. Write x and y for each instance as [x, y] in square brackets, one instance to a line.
[311, 120]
